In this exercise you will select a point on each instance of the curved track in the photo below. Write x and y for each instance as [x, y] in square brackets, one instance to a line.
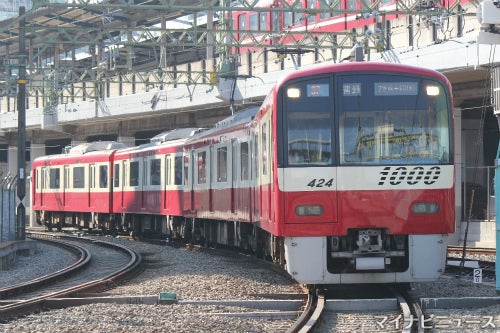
[311, 314]
[105, 264]
[411, 314]
[83, 259]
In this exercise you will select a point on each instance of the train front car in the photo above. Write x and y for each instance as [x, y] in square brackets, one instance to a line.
[365, 173]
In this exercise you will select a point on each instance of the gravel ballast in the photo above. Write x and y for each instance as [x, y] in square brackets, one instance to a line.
[197, 275]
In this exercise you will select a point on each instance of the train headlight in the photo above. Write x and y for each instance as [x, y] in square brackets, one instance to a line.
[293, 93]
[425, 208]
[432, 90]
[309, 210]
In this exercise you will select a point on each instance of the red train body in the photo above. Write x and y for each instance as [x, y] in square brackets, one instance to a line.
[343, 175]
[314, 16]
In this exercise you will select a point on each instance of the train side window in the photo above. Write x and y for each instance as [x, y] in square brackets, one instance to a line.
[168, 169]
[263, 22]
[275, 21]
[311, 5]
[117, 175]
[66, 176]
[178, 170]
[365, 4]
[79, 177]
[202, 167]
[103, 176]
[54, 178]
[186, 169]
[244, 160]
[92, 176]
[242, 22]
[134, 173]
[254, 21]
[287, 19]
[43, 175]
[222, 164]
[351, 4]
[155, 171]
[297, 16]
[334, 10]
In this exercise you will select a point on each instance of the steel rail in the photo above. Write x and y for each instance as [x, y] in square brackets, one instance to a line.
[37, 303]
[84, 257]
[311, 314]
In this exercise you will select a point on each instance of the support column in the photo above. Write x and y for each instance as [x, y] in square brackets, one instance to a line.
[459, 164]
[36, 150]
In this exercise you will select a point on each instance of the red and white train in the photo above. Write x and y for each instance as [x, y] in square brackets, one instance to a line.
[287, 21]
[343, 175]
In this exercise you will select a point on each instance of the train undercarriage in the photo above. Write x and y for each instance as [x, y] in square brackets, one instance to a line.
[243, 236]
[360, 251]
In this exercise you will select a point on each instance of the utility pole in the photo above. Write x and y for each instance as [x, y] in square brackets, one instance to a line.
[21, 130]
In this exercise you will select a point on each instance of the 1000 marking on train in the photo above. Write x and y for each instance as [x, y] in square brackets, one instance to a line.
[391, 175]
[411, 176]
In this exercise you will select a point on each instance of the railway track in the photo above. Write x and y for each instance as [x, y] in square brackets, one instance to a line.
[99, 267]
[405, 315]
[475, 258]
[471, 250]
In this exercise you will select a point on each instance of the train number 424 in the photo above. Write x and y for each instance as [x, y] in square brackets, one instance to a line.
[321, 182]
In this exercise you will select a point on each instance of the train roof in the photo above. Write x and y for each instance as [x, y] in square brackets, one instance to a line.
[176, 134]
[88, 147]
[329, 67]
[242, 117]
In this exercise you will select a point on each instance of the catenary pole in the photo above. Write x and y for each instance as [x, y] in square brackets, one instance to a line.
[21, 130]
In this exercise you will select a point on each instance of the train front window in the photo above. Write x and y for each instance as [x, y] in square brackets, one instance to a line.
[393, 119]
[308, 122]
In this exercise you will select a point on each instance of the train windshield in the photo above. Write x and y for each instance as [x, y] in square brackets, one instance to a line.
[371, 119]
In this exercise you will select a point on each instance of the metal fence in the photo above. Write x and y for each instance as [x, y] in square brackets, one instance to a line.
[7, 208]
[478, 193]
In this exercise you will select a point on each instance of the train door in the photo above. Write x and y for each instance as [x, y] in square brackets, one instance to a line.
[167, 181]
[308, 179]
[255, 176]
[243, 199]
[265, 173]
[124, 166]
[135, 199]
[143, 181]
[41, 177]
[117, 190]
[234, 173]
[92, 185]
[89, 186]
[65, 184]
[210, 177]
[188, 180]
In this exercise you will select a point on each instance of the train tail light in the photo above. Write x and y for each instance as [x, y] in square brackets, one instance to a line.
[309, 210]
[425, 208]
